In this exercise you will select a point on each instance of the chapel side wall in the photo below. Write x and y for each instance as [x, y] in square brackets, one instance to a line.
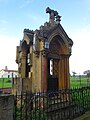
[36, 78]
[37, 68]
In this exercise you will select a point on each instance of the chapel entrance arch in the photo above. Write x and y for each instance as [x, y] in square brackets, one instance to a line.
[56, 64]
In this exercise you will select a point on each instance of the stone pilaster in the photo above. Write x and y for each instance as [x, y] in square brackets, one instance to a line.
[64, 80]
[23, 62]
[44, 72]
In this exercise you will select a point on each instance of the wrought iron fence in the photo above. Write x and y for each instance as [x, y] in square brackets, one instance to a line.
[60, 105]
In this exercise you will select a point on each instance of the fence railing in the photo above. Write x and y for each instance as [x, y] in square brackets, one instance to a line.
[60, 105]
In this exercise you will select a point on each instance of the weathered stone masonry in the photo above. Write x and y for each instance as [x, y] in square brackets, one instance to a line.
[43, 57]
[6, 107]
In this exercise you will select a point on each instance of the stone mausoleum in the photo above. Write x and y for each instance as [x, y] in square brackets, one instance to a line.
[43, 57]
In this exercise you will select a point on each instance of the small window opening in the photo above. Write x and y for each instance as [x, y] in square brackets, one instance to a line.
[51, 67]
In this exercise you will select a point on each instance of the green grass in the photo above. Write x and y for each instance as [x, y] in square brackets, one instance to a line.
[74, 82]
[79, 82]
[5, 83]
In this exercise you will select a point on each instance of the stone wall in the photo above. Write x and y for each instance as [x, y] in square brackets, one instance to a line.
[6, 107]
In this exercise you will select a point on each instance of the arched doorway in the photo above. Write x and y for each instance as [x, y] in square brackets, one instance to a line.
[56, 64]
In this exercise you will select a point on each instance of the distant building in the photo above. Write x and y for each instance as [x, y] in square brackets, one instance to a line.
[4, 73]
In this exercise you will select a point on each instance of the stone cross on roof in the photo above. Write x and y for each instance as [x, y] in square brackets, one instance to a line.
[52, 14]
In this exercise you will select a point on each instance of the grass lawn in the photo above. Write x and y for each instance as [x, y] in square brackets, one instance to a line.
[74, 82]
[79, 82]
[5, 83]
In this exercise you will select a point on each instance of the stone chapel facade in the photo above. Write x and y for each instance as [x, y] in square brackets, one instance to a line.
[43, 57]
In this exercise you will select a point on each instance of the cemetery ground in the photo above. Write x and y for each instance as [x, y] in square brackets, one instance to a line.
[74, 82]
[5, 85]
[79, 82]
[5, 82]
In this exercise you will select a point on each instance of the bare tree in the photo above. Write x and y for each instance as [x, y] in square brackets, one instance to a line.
[74, 73]
[87, 73]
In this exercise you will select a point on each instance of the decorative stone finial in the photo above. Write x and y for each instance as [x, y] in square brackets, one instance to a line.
[58, 19]
[52, 14]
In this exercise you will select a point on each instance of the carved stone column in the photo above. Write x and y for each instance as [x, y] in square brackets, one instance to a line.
[64, 81]
[23, 62]
[67, 72]
[44, 72]
[62, 73]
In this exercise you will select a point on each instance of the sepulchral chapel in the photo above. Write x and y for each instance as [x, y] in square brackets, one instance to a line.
[43, 57]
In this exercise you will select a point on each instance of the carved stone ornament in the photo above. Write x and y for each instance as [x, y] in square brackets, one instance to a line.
[52, 15]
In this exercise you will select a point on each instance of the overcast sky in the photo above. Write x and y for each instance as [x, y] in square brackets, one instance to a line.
[15, 15]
